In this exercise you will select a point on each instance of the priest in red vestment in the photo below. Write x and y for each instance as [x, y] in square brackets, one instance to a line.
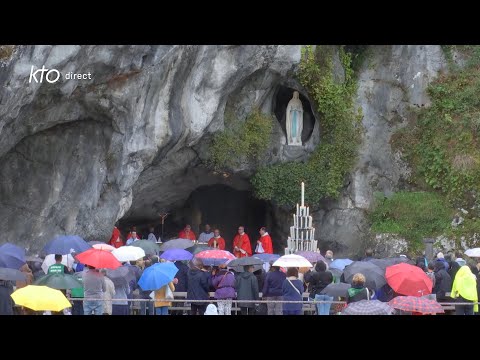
[264, 244]
[115, 240]
[217, 241]
[187, 233]
[241, 244]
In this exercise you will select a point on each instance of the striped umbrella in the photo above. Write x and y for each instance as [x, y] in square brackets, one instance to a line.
[215, 257]
[416, 304]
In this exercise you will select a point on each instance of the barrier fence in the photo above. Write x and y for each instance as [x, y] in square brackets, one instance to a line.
[309, 306]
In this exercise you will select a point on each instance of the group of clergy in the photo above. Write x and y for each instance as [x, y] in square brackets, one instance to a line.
[241, 243]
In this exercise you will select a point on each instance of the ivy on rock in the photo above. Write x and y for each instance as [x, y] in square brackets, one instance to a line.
[324, 172]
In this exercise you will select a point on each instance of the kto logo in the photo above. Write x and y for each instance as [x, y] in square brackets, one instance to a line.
[51, 75]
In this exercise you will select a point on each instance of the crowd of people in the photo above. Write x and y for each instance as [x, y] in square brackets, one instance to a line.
[453, 278]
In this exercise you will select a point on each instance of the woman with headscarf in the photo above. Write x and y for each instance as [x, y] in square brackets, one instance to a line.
[464, 289]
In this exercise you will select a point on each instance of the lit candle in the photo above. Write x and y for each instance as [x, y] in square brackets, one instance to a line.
[308, 210]
[297, 209]
[303, 193]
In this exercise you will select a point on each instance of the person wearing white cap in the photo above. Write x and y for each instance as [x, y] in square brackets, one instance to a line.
[441, 257]
[211, 310]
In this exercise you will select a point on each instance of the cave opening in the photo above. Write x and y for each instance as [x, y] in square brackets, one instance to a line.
[283, 95]
[219, 205]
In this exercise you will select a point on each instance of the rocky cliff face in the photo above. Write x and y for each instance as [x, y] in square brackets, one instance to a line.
[78, 155]
[392, 83]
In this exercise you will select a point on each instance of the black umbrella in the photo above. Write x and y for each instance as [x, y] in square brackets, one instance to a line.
[384, 263]
[337, 273]
[12, 275]
[176, 244]
[195, 249]
[336, 290]
[240, 268]
[375, 276]
[121, 275]
[245, 261]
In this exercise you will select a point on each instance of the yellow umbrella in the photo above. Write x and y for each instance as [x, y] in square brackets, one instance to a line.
[40, 298]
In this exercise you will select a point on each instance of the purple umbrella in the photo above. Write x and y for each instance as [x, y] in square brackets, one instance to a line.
[176, 254]
[311, 256]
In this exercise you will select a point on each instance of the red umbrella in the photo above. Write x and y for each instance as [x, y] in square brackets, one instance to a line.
[416, 304]
[98, 259]
[407, 279]
[215, 257]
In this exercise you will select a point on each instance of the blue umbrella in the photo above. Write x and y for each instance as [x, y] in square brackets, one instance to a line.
[267, 257]
[340, 264]
[12, 256]
[157, 275]
[176, 254]
[65, 244]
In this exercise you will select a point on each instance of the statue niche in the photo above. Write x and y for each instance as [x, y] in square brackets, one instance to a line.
[294, 120]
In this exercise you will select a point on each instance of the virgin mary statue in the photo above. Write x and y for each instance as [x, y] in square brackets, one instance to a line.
[294, 123]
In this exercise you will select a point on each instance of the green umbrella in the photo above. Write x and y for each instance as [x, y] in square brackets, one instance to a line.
[59, 281]
[148, 246]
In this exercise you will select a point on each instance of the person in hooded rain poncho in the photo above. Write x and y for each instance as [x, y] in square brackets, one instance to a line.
[464, 289]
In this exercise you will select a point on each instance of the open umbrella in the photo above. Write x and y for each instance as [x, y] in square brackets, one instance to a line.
[12, 256]
[59, 281]
[176, 254]
[121, 275]
[340, 264]
[292, 260]
[473, 252]
[94, 242]
[98, 259]
[67, 260]
[242, 269]
[40, 298]
[408, 279]
[311, 256]
[12, 275]
[33, 259]
[375, 276]
[103, 246]
[66, 244]
[246, 261]
[416, 304]
[267, 257]
[149, 247]
[128, 253]
[337, 274]
[368, 307]
[336, 290]
[195, 249]
[157, 275]
[176, 244]
[215, 257]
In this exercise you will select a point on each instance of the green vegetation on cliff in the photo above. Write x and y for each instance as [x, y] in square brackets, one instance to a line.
[442, 141]
[241, 141]
[324, 172]
[411, 215]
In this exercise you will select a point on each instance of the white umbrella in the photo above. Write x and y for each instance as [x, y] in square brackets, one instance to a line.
[473, 252]
[67, 260]
[103, 247]
[128, 253]
[292, 260]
